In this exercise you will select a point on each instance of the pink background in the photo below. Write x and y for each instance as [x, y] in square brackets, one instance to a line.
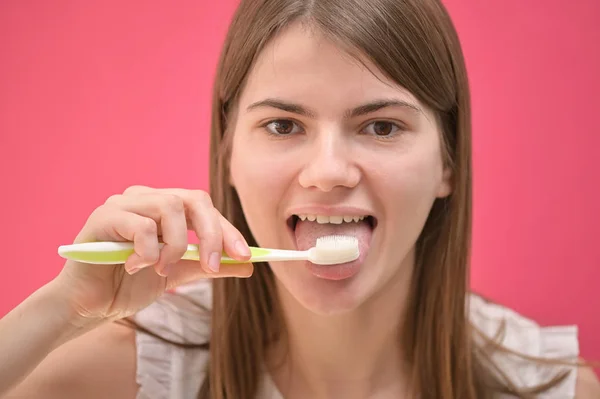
[99, 95]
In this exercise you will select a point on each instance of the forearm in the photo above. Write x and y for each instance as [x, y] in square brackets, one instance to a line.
[30, 332]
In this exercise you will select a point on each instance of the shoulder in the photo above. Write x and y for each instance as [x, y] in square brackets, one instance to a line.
[588, 386]
[99, 364]
[529, 354]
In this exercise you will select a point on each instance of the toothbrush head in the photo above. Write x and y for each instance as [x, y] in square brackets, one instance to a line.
[334, 249]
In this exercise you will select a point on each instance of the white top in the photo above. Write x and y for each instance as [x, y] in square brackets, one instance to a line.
[168, 372]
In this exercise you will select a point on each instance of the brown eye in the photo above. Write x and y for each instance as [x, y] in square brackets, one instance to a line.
[382, 128]
[282, 127]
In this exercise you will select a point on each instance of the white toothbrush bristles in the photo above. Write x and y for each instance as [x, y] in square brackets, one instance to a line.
[334, 249]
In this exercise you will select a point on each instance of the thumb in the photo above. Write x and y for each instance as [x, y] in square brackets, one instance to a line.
[187, 271]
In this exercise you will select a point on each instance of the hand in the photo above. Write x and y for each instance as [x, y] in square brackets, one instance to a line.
[146, 216]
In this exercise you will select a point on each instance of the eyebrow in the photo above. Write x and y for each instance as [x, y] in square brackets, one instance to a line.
[352, 113]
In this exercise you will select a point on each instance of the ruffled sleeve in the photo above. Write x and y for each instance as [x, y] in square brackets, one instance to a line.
[165, 371]
[526, 337]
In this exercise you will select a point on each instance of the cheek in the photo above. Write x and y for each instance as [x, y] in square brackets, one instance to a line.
[417, 175]
[256, 161]
[261, 183]
[407, 186]
[259, 175]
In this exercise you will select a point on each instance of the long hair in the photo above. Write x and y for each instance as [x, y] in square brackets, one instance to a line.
[414, 43]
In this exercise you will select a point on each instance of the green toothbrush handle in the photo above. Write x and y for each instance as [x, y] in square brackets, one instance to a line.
[119, 252]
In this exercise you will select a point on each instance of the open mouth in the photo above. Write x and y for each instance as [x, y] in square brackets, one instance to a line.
[305, 230]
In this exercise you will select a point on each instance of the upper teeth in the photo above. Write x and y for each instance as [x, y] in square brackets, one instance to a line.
[331, 219]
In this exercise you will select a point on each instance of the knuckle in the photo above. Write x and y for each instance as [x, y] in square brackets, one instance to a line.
[98, 213]
[196, 208]
[203, 204]
[230, 228]
[152, 256]
[178, 249]
[182, 246]
[202, 197]
[172, 203]
[135, 189]
[113, 199]
[148, 226]
[215, 237]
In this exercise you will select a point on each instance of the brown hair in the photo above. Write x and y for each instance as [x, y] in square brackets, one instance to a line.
[414, 43]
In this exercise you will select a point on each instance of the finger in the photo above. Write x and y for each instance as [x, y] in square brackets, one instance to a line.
[187, 271]
[234, 243]
[174, 232]
[204, 220]
[169, 213]
[213, 239]
[107, 224]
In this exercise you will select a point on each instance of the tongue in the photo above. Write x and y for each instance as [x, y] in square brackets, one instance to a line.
[307, 233]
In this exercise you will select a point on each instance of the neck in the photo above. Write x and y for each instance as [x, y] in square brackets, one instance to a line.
[353, 355]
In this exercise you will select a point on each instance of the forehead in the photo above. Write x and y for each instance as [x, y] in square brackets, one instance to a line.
[302, 64]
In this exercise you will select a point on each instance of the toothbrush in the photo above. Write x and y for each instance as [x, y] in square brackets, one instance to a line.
[329, 250]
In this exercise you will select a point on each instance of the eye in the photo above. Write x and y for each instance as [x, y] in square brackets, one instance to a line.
[282, 127]
[382, 128]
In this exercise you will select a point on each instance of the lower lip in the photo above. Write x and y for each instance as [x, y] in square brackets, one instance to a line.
[335, 272]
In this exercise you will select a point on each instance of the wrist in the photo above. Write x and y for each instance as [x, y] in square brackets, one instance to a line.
[62, 312]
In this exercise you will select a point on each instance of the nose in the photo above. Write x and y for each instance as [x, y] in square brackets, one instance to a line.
[329, 164]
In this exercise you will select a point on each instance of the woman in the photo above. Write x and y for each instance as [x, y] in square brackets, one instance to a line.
[329, 116]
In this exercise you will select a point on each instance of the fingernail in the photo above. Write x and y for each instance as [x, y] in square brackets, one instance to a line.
[133, 271]
[242, 249]
[214, 261]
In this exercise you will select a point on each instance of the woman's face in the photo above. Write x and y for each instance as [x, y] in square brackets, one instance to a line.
[319, 136]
